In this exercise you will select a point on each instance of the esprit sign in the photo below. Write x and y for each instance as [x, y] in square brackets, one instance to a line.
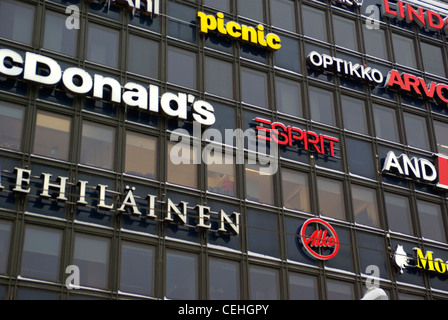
[42, 70]
[232, 29]
[323, 236]
[125, 202]
[419, 169]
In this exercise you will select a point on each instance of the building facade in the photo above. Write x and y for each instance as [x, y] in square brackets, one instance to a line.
[348, 98]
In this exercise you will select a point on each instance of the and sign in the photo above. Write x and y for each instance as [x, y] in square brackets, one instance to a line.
[322, 237]
[423, 261]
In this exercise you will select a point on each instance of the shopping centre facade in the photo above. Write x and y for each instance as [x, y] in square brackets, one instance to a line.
[223, 149]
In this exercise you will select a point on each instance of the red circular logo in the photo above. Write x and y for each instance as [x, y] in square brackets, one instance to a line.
[323, 237]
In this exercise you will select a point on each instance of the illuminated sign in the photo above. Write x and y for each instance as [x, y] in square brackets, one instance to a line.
[145, 7]
[421, 261]
[323, 238]
[232, 29]
[419, 169]
[43, 70]
[126, 203]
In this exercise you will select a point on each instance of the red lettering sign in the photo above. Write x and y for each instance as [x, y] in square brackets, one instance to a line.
[323, 237]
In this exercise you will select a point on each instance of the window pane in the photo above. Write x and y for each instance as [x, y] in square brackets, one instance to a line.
[57, 37]
[441, 132]
[344, 32]
[331, 198]
[339, 290]
[385, 123]
[11, 124]
[295, 190]
[251, 9]
[16, 21]
[182, 67]
[140, 158]
[432, 59]
[322, 105]
[52, 136]
[431, 222]
[222, 5]
[302, 287]
[263, 232]
[360, 158]
[180, 164]
[41, 253]
[259, 185]
[5, 236]
[224, 280]
[314, 23]
[139, 50]
[181, 22]
[365, 208]
[264, 283]
[288, 96]
[181, 275]
[375, 42]
[416, 131]
[221, 174]
[102, 45]
[282, 14]
[98, 145]
[404, 50]
[398, 213]
[137, 268]
[91, 256]
[254, 87]
[218, 77]
[354, 113]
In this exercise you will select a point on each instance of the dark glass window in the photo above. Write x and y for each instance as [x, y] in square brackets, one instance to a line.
[431, 221]
[35, 294]
[416, 131]
[222, 5]
[259, 185]
[57, 37]
[263, 232]
[140, 157]
[181, 22]
[322, 105]
[432, 57]
[404, 50]
[182, 67]
[375, 42]
[360, 158]
[181, 164]
[41, 253]
[385, 123]
[224, 283]
[91, 256]
[98, 145]
[354, 113]
[11, 125]
[365, 208]
[254, 87]
[282, 14]
[252, 9]
[345, 32]
[314, 23]
[16, 21]
[5, 236]
[288, 56]
[340, 290]
[372, 252]
[295, 190]
[137, 268]
[143, 56]
[218, 77]
[398, 213]
[441, 132]
[264, 283]
[52, 135]
[302, 286]
[181, 275]
[288, 96]
[331, 198]
[102, 45]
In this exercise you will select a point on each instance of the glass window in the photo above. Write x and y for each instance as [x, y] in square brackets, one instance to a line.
[398, 213]
[182, 67]
[102, 45]
[365, 209]
[441, 132]
[222, 5]
[140, 157]
[254, 87]
[264, 283]
[137, 268]
[218, 77]
[57, 37]
[24, 293]
[314, 23]
[288, 96]
[5, 236]
[143, 56]
[282, 14]
[224, 283]
[181, 275]
[295, 190]
[433, 61]
[52, 135]
[302, 286]
[251, 9]
[11, 125]
[181, 168]
[98, 145]
[375, 42]
[16, 21]
[182, 22]
[91, 256]
[331, 198]
[344, 32]
[340, 290]
[404, 50]
[263, 232]
[288, 57]
[221, 173]
[416, 131]
[322, 105]
[372, 252]
[385, 123]
[354, 113]
[360, 158]
[259, 185]
[431, 221]
[41, 253]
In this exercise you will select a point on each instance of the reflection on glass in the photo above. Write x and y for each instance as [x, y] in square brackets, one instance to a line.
[224, 279]
[288, 96]
[431, 221]
[340, 290]
[221, 85]
[295, 190]
[140, 158]
[264, 283]
[254, 87]
[331, 198]
[102, 45]
[259, 185]
[441, 132]
[314, 23]
[252, 9]
[365, 206]
[98, 145]
[57, 37]
[11, 125]
[344, 32]
[221, 174]
[181, 168]
[416, 131]
[181, 275]
[432, 59]
[398, 213]
[16, 21]
[385, 123]
[404, 50]
[354, 113]
[222, 5]
[282, 14]
[302, 287]
[142, 49]
[375, 42]
[322, 105]
[182, 67]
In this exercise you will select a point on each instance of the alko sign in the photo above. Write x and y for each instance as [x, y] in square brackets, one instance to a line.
[323, 237]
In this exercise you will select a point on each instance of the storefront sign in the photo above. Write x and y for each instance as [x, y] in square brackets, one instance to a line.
[323, 237]
[126, 203]
[289, 135]
[42, 70]
[419, 169]
[234, 30]
[423, 261]
[144, 7]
